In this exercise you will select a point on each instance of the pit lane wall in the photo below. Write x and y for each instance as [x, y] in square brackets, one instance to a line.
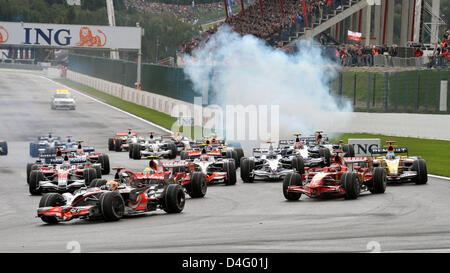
[167, 105]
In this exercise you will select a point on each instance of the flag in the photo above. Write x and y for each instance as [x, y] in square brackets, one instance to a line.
[354, 36]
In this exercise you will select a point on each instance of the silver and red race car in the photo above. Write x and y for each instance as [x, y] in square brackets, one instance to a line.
[153, 147]
[122, 140]
[65, 176]
[128, 194]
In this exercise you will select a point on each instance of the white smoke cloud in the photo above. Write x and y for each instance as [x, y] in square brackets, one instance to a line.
[244, 71]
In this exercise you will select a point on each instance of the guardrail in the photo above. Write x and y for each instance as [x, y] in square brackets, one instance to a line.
[167, 105]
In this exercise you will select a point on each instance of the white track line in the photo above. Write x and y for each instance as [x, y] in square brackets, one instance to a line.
[110, 106]
[439, 177]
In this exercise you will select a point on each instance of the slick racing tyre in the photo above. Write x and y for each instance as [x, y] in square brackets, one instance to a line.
[298, 164]
[98, 171]
[174, 199]
[104, 162]
[325, 153]
[89, 174]
[247, 167]
[29, 169]
[35, 177]
[111, 144]
[292, 179]
[173, 150]
[183, 155]
[112, 206]
[135, 151]
[240, 154]
[118, 145]
[420, 166]
[97, 183]
[230, 169]
[198, 186]
[349, 150]
[51, 200]
[379, 180]
[350, 182]
[4, 148]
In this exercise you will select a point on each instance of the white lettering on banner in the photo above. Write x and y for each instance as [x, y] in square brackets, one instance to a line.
[56, 35]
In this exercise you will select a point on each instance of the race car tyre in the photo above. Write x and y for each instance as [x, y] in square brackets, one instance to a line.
[183, 155]
[298, 164]
[89, 174]
[174, 199]
[349, 150]
[240, 154]
[35, 177]
[198, 186]
[135, 151]
[104, 161]
[112, 206]
[118, 146]
[29, 168]
[325, 153]
[235, 156]
[130, 151]
[98, 171]
[247, 167]
[420, 166]
[51, 199]
[230, 169]
[292, 179]
[379, 180]
[111, 144]
[4, 148]
[173, 150]
[350, 182]
[97, 183]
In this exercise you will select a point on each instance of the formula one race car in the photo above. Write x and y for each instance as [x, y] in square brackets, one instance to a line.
[121, 142]
[62, 99]
[63, 177]
[153, 147]
[3, 147]
[179, 140]
[111, 200]
[217, 149]
[401, 168]
[269, 164]
[310, 156]
[345, 177]
[319, 146]
[47, 144]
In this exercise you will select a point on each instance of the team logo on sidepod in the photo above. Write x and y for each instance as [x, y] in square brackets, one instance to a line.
[4, 35]
[91, 40]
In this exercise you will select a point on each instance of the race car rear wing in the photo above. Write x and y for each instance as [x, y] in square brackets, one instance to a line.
[353, 160]
[384, 150]
[264, 150]
[85, 149]
[174, 164]
[286, 142]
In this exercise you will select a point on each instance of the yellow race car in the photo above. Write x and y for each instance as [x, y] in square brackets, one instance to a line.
[400, 168]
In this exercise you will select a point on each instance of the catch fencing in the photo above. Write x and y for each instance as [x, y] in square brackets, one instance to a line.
[417, 91]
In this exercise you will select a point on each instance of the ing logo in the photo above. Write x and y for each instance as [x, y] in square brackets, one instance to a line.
[91, 40]
[4, 35]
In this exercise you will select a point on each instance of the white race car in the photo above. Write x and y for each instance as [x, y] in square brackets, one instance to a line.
[62, 99]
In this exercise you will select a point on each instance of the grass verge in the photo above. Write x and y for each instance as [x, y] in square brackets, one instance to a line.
[151, 115]
[435, 152]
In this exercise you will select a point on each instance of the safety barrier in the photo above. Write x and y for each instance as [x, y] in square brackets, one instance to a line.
[169, 106]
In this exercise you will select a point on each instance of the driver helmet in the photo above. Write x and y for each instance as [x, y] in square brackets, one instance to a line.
[111, 185]
[390, 155]
[298, 145]
[148, 170]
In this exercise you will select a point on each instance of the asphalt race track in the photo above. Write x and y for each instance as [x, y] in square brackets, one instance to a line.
[241, 218]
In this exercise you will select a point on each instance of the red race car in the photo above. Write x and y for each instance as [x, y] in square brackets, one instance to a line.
[346, 177]
[127, 194]
[121, 142]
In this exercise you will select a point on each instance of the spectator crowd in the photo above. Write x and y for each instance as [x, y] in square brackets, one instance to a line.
[184, 13]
